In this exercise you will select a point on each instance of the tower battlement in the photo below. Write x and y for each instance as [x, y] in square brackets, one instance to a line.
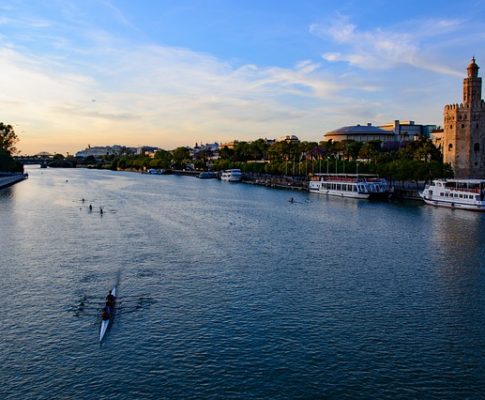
[464, 128]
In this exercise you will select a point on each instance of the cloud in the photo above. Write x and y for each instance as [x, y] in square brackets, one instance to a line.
[380, 49]
[154, 94]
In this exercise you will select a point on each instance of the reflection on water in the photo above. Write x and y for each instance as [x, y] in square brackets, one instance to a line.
[251, 296]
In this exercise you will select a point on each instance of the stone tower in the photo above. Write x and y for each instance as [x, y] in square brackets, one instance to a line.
[464, 129]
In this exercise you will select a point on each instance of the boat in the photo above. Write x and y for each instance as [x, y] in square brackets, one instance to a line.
[231, 175]
[466, 194]
[105, 322]
[207, 175]
[359, 186]
[155, 171]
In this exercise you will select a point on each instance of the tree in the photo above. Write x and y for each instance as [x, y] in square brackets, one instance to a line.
[8, 138]
[226, 153]
[180, 155]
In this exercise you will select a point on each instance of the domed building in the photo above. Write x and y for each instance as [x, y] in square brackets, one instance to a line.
[359, 133]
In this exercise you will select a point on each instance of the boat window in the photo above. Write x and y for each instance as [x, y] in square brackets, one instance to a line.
[461, 196]
[446, 194]
[441, 194]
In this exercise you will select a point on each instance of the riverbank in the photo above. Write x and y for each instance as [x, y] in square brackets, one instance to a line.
[400, 190]
[7, 179]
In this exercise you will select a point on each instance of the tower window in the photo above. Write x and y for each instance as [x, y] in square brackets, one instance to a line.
[476, 125]
[450, 147]
[462, 125]
[476, 147]
[451, 126]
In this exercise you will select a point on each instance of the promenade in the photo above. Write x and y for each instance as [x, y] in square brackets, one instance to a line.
[11, 179]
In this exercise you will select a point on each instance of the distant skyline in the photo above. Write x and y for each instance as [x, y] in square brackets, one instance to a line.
[172, 73]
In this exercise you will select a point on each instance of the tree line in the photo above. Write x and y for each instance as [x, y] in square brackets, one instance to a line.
[413, 160]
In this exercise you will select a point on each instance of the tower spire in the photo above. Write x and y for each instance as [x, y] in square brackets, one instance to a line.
[472, 85]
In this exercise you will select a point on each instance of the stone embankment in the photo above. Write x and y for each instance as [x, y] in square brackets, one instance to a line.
[277, 181]
[7, 179]
[407, 190]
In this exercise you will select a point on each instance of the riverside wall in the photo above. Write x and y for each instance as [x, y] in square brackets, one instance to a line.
[11, 179]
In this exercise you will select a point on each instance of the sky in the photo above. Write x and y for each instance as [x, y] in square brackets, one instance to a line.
[171, 73]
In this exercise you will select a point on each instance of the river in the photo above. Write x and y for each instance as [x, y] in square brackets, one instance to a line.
[229, 291]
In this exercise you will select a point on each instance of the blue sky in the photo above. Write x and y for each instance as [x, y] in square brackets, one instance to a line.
[171, 73]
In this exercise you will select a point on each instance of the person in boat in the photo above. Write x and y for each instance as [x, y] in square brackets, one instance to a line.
[90, 207]
[100, 210]
[106, 314]
[110, 297]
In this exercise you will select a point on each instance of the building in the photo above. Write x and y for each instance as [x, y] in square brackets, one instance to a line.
[437, 137]
[289, 139]
[229, 145]
[464, 129]
[405, 131]
[101, 151]
[359, 133]
[95, 151]
[148, 151]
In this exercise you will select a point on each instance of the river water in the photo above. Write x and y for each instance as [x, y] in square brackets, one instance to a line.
[229, 291]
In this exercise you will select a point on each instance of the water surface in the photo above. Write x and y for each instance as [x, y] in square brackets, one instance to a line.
[240, 293]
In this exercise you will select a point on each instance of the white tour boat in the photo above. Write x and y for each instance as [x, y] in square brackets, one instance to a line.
[231, 175]
[467, 194]
[359, 186]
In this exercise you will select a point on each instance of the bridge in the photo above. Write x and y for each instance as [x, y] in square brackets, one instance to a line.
[41, 158]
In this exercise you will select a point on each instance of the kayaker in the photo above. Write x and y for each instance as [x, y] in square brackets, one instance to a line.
[90, 207]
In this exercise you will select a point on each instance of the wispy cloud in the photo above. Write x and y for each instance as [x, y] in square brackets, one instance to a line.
[381, 48]
[166, 94]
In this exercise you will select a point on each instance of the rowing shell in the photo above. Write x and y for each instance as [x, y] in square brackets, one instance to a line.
[105, 323]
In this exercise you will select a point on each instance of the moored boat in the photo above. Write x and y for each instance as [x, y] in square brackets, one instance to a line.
[359, 186]
[231, 175]
[207, 175]
[105, 322]
[155, 171]
[466, 194]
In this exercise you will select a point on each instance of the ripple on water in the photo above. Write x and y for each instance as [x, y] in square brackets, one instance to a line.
[241, 295]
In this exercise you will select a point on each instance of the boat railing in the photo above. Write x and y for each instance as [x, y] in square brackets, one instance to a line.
[468, 190]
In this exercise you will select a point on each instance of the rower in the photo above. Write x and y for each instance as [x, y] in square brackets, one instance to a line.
[110, 296]
[90, 207]
[110, 299]
[101, 210]
[105, 314]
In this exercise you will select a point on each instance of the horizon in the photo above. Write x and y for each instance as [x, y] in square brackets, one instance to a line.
[170, 74]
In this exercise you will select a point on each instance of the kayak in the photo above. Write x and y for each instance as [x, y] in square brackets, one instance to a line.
[105, 322]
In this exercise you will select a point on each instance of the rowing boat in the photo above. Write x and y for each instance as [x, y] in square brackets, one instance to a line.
[105, 322]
